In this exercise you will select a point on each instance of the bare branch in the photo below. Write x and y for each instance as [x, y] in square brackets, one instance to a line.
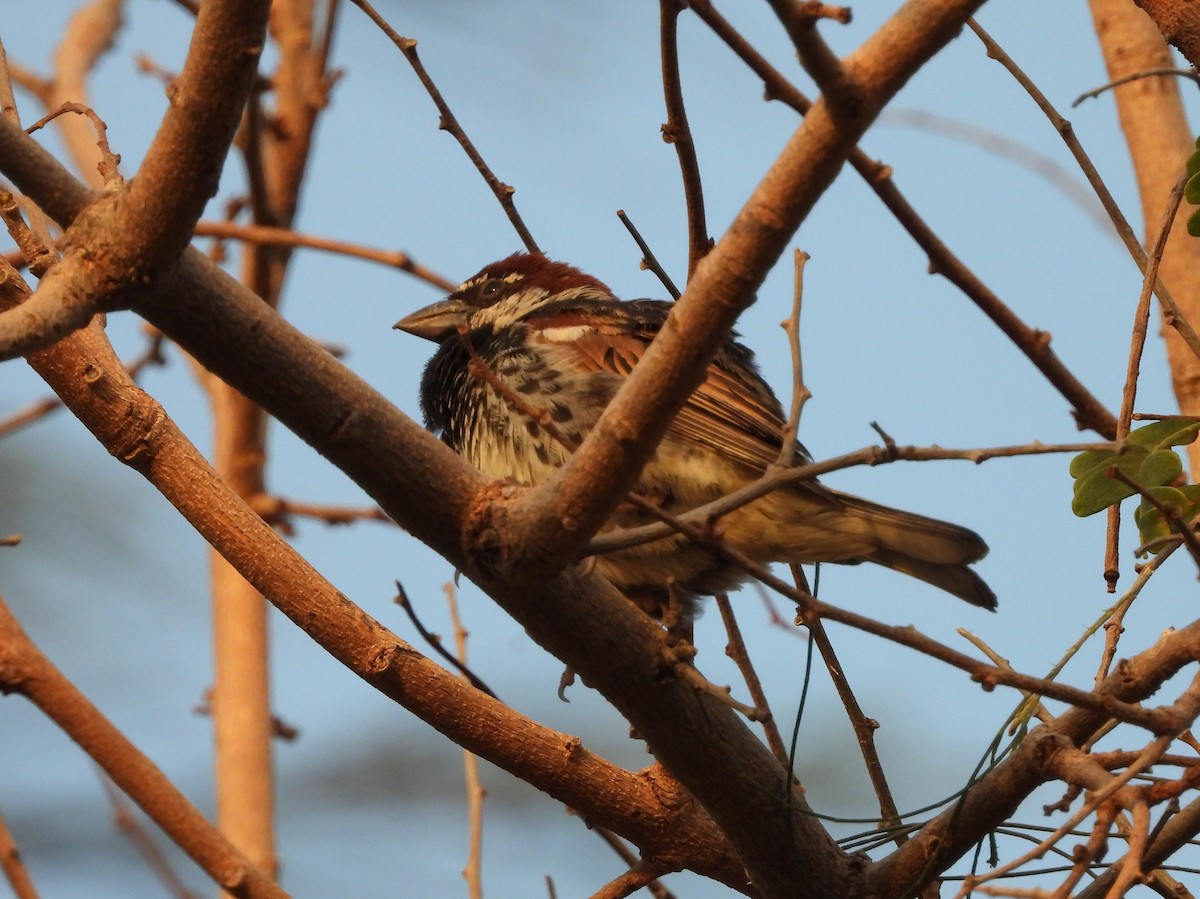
[504, 192]
[677, 133]
[1035, 344]
[13, 867]
[26, 671]
[285, 237]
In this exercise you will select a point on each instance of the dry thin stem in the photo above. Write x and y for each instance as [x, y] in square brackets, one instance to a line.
[473, 872]
[649, 260]
[864, 726]
[126, 822]
[1035, 344]
[641, 875]
[677, 132]
[816, 56]
[448, 122]
[800, 392]
[656, 888]
[13, 866]
[736, 650]
[284, 237]
[110, 175]
[435, 642]
[1172, 314]
[1137, 343]
[277, 510]
[774, 480]
[1141, 319]
[996, 658]
[1190, 74]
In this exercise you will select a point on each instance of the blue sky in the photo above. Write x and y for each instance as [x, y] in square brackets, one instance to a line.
[564, 102]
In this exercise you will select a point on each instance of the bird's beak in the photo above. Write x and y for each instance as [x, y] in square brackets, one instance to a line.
[436, 321]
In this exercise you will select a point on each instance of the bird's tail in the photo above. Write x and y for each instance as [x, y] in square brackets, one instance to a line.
[933, 551]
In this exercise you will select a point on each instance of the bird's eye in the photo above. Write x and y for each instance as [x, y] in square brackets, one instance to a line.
[491, 289]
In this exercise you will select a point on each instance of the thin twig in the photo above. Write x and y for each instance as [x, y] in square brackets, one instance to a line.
[285, 237]
[448, 122]
[401, 599]
[1035, 344]
[640, 875]
[1172, 315]
[473, 873]
[11, 863]
[864, 726]
[277, 510]
[649, 260]
[800, 392]
[109, 161]
[127, 823]
[1040, 710]
[656, 888]
[775, 479]
[1172, 516]
[1137, 344]
[677, 132]
[736, 650]
[1190, 74]
[816, 56]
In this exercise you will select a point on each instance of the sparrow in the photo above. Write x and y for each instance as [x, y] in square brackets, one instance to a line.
[559, 339]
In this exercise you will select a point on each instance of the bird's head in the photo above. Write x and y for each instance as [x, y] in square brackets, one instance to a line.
[502, 294]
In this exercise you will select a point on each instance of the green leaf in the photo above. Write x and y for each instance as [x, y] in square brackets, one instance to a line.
[1182, 502]
[1177, 431]
[1089, 460]
[1160, 468]
[1193, 224]
[1191, 190]
[1095, 491]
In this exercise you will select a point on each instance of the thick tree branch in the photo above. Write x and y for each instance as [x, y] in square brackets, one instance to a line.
[24, 670]
[583, 621]
[135, 429]
[127, 236]
[1179, 22]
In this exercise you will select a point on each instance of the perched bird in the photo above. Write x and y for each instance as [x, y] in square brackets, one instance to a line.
[562, 342]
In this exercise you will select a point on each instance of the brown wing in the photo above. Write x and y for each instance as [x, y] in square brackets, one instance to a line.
[733, 412]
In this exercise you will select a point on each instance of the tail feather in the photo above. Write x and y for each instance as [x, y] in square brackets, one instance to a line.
[934, 551]
[958, 580]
